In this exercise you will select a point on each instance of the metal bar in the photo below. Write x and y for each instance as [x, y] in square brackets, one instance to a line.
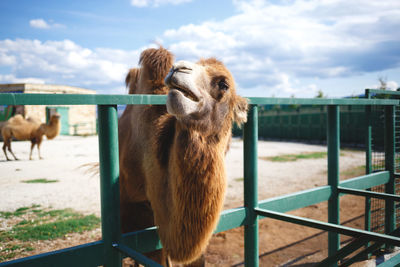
[368, 93]
[320, 101]
[82, 99]
[367, 181]
[368, 161]
[109, 183]
[232, 218]
[138, 257]
[333, 136]
[89, 254]
[147, 240]
[329, 227]
[390, 213]
[250, 138]
[143, 241]
[297, 200]
[362, 254]
[392, 262]
[317, 195]
[343, 252]
[357, 243]
[368, 194]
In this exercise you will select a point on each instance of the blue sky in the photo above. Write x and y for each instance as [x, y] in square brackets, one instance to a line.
[273, 48]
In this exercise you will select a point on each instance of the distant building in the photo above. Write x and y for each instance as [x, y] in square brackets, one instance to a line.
[75, 119]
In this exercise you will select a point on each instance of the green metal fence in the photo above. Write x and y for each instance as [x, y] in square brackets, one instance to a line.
[114, 245]
[308, 123]
[377, 156]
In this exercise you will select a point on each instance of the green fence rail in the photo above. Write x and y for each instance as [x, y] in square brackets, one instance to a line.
[114, 246]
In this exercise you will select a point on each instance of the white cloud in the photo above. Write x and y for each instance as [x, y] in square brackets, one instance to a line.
[324, 39]
[156, 3]
[42, 24]
[64, 62]
[39, 23]
[268, 47]
[9, 78]
[6, 59]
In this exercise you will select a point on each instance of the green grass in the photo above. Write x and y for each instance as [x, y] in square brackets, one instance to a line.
[39, 181]
[53, 230]
[353, 172]
[294, 157]
[16, 213]
[29, 224]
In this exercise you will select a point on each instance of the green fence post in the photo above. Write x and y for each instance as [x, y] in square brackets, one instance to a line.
[109, 182]
[333, 136]
[390, 216]
[250, 138]
[368, 165]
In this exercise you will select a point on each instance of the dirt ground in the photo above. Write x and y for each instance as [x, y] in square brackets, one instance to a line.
[281, 244]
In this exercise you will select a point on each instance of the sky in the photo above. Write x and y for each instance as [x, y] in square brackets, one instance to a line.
[288, 48]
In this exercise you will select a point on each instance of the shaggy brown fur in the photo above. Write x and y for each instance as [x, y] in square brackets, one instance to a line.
[172, 171]
[29, 129]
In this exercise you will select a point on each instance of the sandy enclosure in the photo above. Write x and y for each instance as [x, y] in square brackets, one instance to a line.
[65, 156]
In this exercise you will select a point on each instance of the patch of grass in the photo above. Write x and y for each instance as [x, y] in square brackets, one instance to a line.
[53, 230]
[294, 157]
[23, 209]
[353, 172]
[7, 256]
[39, 181]
[29, 224]
[5, 214]
[16, 213]
[24, 222]
[9, 251]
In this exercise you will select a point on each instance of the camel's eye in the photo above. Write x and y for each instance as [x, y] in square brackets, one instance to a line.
[222, 85]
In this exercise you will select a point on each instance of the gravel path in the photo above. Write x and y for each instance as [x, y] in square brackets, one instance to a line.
[64, 157]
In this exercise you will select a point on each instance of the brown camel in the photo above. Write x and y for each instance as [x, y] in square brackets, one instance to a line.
[172, 171]
[29, 129]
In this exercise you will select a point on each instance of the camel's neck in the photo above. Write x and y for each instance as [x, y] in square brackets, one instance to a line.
[197, 180]
[52, 129]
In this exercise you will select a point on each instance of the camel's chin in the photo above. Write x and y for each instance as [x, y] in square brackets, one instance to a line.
[179, 105]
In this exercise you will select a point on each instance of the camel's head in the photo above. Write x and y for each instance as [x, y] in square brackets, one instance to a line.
[203, 95]
[55, 118]
[53, 128]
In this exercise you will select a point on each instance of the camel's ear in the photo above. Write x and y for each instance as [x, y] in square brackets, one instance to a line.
[240, 110]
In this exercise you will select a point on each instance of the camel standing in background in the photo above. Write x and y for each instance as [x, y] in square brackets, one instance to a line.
[172, 169]
[29, 129]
